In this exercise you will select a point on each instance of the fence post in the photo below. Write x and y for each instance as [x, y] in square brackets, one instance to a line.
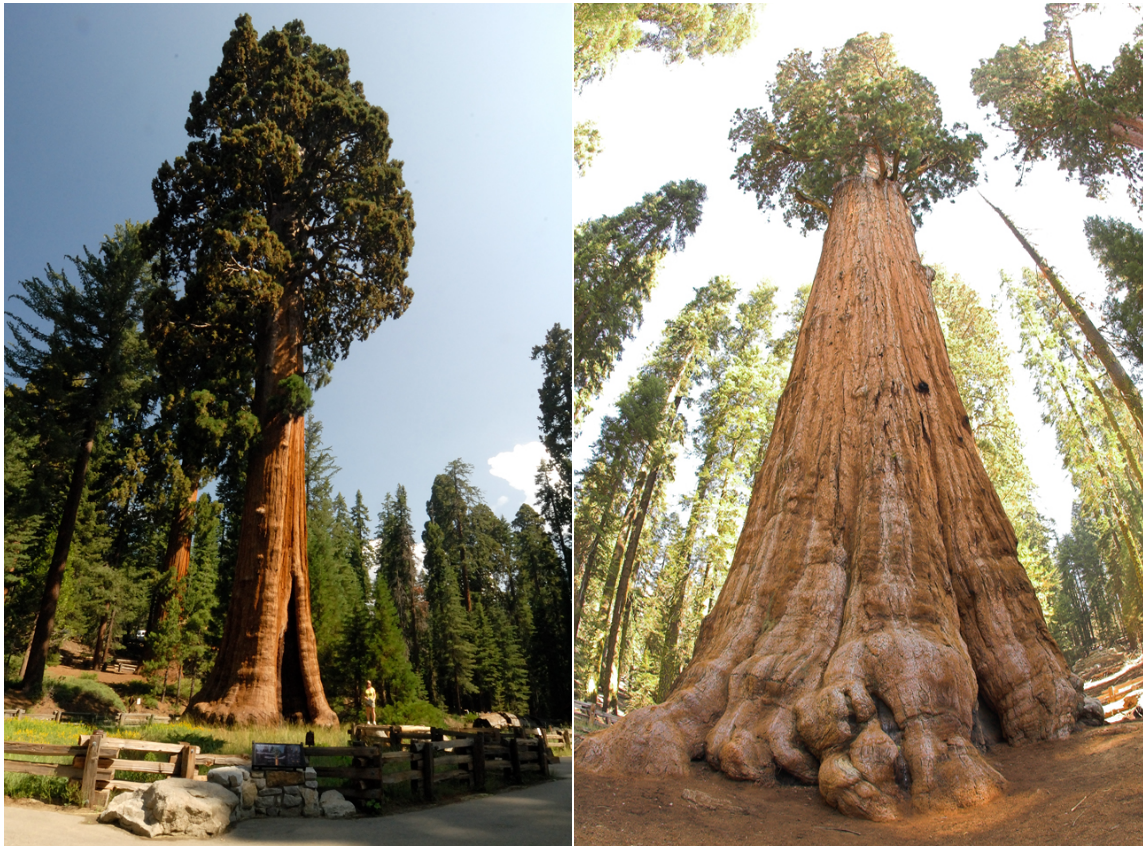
[91, 765]
[566, 738]
[185, 764]
[415, 756]
[428, 771]
[478, 763]
[543, 761]
[515, 765]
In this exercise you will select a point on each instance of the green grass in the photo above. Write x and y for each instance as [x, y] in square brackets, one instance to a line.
[56, 791]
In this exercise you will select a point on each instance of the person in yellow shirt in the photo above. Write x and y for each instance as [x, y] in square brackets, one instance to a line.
[369, 697]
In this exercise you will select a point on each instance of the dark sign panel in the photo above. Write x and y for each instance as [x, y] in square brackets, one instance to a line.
[277, 756]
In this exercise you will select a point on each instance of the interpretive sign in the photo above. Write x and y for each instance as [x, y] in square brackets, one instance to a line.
[277, 756]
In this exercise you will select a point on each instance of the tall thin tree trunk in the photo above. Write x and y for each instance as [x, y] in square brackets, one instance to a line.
[107, 640]
[1120, 379]
[101, 636]
[875, 592]
[607, 676]
[46, 622]
[1136, 476]
[267, 669]
[668, 666]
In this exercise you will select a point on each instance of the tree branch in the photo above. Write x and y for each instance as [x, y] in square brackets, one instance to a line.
[819, 205]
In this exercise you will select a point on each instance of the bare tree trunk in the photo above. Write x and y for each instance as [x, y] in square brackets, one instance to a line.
[607, 677]
[106, 647]
[37, 662]
[875, 591]
[101, 635]
[1116, 373]
[267, 669]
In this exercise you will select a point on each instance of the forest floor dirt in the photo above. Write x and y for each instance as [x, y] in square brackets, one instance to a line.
[1086, 790]
[74, 660]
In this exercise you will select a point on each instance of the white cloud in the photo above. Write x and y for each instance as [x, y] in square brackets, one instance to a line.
[518, 468]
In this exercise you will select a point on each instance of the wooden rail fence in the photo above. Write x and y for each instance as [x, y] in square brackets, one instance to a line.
[465, 755]
[96, 759]
[120, 719]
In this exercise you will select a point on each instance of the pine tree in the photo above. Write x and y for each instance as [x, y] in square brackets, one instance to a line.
[555, 476]
[88, 366]
[616, 260]
[452, 649]
[397, 571]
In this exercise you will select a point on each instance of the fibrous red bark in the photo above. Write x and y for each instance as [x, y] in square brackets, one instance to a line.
[875, 591]
[267, 669]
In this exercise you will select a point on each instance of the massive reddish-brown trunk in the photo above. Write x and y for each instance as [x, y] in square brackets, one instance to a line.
[267, 669]
[875, 592]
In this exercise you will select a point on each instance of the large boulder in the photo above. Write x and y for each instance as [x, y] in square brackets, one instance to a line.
[174, 807]
[335, 806]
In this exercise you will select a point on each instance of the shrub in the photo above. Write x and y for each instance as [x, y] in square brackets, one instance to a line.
[83, 695]
[415, 712]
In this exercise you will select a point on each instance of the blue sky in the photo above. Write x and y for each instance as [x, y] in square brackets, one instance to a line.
[479, 99]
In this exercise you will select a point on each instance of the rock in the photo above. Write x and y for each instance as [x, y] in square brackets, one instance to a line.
[310, 775]
[230, 777]
[249, 792]
[292, 801]
[1092, 713]
[174, 806]
[311, 803]
[127, 811]
[335, 806]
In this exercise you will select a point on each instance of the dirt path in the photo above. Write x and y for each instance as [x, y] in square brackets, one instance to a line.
[1087, 790]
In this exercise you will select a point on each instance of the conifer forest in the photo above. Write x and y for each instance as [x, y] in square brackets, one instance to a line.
[173, 497]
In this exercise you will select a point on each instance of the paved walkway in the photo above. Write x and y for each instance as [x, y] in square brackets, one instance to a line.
[541, 815]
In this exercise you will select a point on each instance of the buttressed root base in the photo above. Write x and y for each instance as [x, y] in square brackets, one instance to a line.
[875, 592]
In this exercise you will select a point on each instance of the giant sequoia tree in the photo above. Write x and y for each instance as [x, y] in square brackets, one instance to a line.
[291, 228]
[1090, 119]
[875, 598]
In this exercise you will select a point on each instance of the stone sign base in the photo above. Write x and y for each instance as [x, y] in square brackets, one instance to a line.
[280, 793]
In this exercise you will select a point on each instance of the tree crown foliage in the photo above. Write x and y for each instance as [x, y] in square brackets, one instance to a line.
[615, 265]
[287, 179]
[855, 111]
[1088, 118]
[603, 31]
[1119, 248]
[92, 357]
